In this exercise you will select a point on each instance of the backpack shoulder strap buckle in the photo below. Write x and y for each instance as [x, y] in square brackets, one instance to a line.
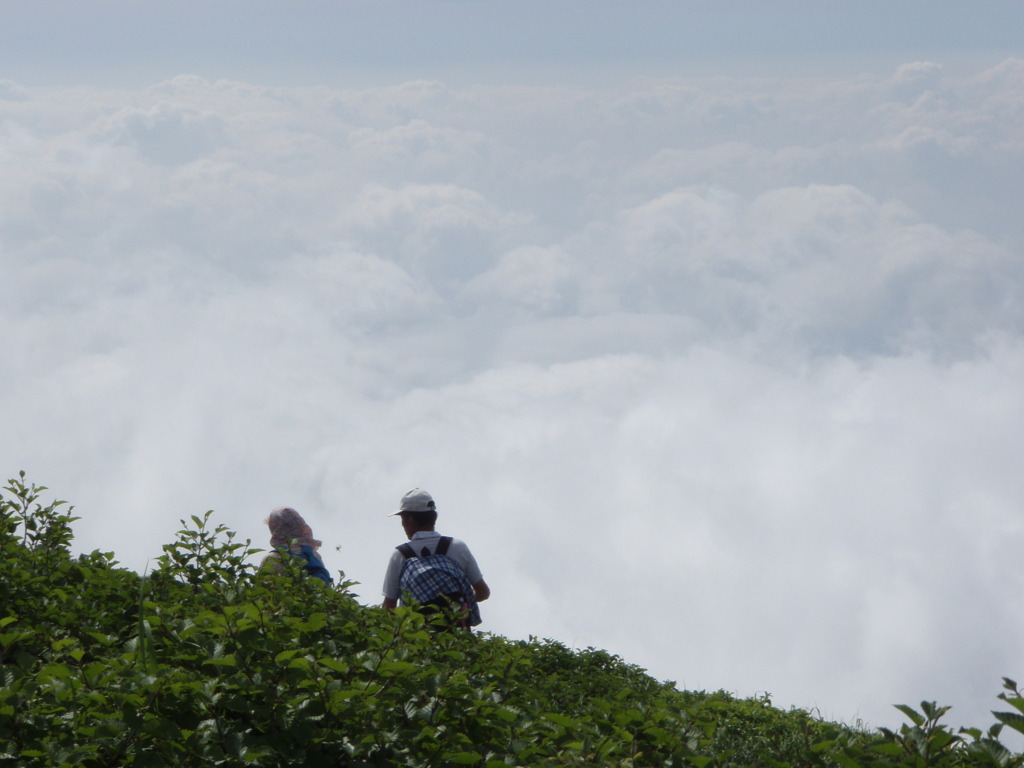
[407, 551]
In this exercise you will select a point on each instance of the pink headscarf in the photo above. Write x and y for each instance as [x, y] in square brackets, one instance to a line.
[288, 529]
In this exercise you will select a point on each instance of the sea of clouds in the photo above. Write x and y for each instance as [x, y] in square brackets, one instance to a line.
[721, 375]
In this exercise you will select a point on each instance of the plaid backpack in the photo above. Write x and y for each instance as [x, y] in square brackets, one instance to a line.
[436, 582]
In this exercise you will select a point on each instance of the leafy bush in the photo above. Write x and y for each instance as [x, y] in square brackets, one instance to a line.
[207, 661]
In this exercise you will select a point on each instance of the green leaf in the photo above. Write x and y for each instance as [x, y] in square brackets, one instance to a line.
[54, 672]
[1015, 701]
[1012, 719]
[932, 710]
[332, 664]
[557, 719]
[345, 695]
[506, 714]
[888, 748]
[463, 758]
[915, 717]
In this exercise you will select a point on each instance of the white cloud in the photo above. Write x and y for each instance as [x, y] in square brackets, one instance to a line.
[734, 357]
[438, 232]
[169, 134]
[10, 91]
[911, 80]
[417, 150]
[539, 279]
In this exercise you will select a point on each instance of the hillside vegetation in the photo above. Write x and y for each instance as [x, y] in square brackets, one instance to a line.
[201, 663]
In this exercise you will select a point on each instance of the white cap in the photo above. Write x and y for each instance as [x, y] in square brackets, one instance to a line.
[416, 500]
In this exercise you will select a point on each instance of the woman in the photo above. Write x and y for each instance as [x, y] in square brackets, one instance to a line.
[291, 536]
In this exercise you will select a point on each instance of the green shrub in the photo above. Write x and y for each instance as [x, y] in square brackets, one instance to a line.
[206, 661]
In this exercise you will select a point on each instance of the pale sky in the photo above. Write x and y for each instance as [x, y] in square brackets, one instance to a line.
[321, 41]
[703, 322]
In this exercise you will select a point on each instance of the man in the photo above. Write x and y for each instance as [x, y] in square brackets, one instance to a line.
[434, 568]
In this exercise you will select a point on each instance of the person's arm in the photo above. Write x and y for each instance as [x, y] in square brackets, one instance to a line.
[391, 592]
[481, 590]
[460, 553]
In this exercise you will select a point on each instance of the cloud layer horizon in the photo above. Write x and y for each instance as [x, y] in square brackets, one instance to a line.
[720, 375]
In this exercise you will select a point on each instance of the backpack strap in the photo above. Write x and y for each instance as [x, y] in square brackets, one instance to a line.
[442, 548]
